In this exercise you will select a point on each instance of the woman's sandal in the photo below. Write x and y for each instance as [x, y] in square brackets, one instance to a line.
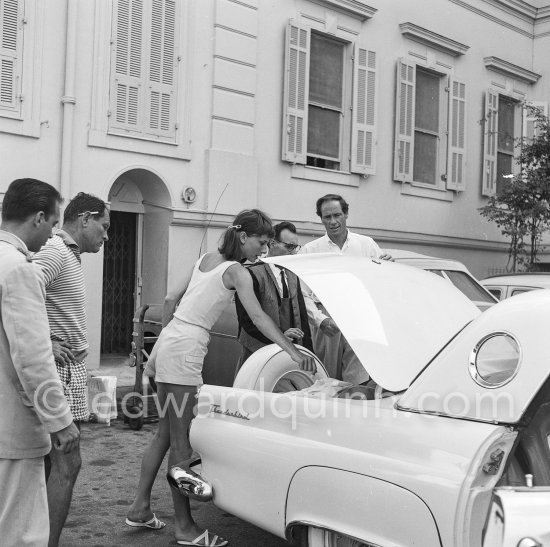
[153, 524]
[204, 541]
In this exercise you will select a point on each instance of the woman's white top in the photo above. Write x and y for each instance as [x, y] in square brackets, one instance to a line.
[206, 296]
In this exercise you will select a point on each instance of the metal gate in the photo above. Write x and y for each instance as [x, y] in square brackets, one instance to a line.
[119, 280]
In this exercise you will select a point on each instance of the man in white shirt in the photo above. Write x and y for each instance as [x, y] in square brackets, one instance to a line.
[328, 342]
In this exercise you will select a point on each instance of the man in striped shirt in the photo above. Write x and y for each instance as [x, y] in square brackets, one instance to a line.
[85, 225]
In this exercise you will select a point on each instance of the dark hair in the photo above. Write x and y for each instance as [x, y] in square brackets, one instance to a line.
[26, 197]
[331, 197]
[83, 203]
[251, 221]
[285, 225]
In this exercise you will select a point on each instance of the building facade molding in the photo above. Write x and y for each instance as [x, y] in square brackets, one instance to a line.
[499, 21]
[355, 8]
[432, 39]
[518, 8]
[188, 218]
[509, 69]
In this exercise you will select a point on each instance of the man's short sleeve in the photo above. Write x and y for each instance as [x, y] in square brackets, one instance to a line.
[50, 261]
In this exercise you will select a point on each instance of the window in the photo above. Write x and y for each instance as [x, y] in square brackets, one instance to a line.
[503, 124]
[11, 54]
[143, 69]
[430, 128]
[505, 140]
[329, 112]
[497, 293]
[530, 128]
[520, 291]
[469, 286]
[325, 102]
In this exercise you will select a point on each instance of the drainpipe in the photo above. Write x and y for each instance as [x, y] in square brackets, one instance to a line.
[68, 100]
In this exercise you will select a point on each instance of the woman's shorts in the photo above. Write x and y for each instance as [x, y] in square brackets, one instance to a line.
[178, 355]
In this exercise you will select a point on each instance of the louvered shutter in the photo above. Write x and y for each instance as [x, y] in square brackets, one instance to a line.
[296, 93]
[127, 87]
[530, 130]
[161, 92]
[404, 121]
[456, 159]
[490, 140]
[363, 137]
[9, 45]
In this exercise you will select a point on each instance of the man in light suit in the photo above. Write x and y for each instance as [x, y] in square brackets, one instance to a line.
[31, 395]
[279, 293]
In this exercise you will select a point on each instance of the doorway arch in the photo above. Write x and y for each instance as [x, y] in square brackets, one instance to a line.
[136, 255]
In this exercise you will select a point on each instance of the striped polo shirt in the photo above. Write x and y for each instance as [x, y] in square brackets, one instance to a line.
[59, 260]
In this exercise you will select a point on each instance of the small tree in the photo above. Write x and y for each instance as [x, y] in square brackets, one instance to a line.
[521, 207]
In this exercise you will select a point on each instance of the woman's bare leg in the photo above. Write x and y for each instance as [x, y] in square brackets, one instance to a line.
[140, 510]
[179, 402]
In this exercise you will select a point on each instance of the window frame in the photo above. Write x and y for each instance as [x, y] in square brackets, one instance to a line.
[25, 119]
[98, 134]
[441, 135]
[143, 84]
[491, 133]
[344, 137]
[358, 129]
[452, 143]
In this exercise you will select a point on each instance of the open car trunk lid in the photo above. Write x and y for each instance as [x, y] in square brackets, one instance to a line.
[395, 317]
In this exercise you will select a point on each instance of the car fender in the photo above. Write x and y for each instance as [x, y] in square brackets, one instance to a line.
[359, 506]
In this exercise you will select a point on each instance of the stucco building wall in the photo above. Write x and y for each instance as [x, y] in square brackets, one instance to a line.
[229, 109]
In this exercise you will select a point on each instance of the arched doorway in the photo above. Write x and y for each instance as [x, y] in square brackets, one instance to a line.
[136, 255]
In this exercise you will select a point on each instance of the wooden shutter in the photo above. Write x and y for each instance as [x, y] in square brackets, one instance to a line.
[127, 71]
[161, 89]
[296, 93]
[404, 121]
[530, 130]
[456, 158]
[10, 46]
[363, 136]
[490, 141]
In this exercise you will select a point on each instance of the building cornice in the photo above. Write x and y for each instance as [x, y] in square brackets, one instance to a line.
[518, 8]
[497, 20]
[355, 8]
[509, 69]
[432, 39]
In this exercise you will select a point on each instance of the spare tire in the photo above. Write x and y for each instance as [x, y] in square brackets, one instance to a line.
[271, 369]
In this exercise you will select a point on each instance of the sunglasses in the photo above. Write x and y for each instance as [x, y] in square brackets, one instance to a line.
[290, 247]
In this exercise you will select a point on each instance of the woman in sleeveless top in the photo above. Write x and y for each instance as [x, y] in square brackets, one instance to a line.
[177, 358]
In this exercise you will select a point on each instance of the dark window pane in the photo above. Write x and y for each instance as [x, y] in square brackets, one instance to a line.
[506, 124]
[504, 167]
[497, 293]
[427, 101]
[326, 71]
[425, 157]
[323, 132]
[323, 163]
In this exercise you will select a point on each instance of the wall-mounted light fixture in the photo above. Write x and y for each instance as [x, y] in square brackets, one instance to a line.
[189, 195]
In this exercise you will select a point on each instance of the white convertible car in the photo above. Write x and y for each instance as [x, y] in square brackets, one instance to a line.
[451, 448]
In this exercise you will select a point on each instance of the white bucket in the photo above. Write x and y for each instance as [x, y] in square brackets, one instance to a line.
[102, 398]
